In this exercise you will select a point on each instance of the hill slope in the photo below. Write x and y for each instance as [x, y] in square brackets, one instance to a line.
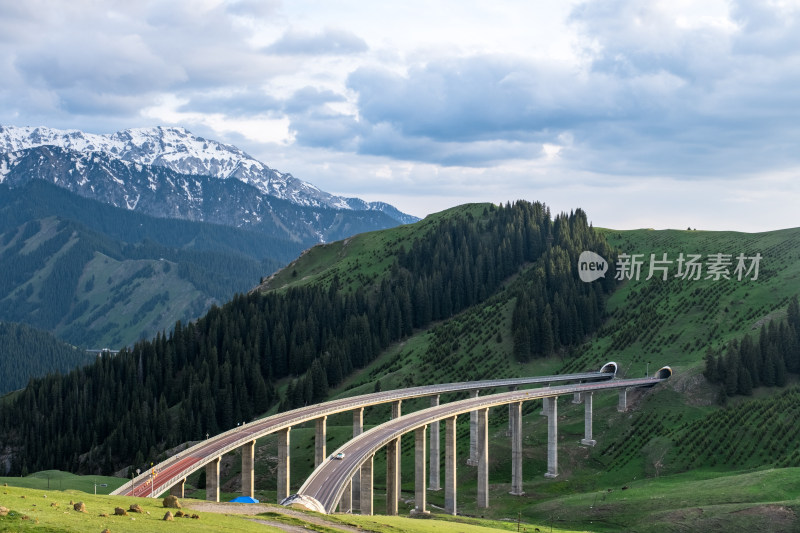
[26, 352]
[99, 276]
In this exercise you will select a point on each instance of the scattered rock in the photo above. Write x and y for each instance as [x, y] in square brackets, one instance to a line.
[71, 502]
[54, 504]
[103, 515]
[5, 484]
[168, 517]
[106, 530]
[195, 516]
[119, 511]
[26, 517]
[135, 508]
[3, 511]
[178, 514]
[172, 502]
[80, 507]
[23, 496]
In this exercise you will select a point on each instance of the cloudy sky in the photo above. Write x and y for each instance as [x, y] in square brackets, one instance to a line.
[644, 113]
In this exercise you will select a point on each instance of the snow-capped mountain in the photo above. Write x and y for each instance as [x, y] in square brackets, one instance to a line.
[178, 150]
[164, 193]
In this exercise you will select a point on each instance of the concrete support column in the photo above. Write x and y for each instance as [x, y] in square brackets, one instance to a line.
[473, 434]
[622, 406]
[212, 480]
[396, 413]
[283, 464]
[420, 501]
[450, 466]
[434, 468]
[248, 468]
[515, 417]
[509, 431]
[483, 458]
[552, 437]
[392, 452]
[587, 417]
[577, 397]
[545, 407]
[346, 502]
[319, 441]
[177, 490]
[358, 429]
[366, 486]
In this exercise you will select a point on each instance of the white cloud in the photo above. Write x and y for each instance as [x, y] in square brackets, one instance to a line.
[433, 104]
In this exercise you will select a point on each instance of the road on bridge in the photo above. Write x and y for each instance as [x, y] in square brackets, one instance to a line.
[176, 468]
[327, 483]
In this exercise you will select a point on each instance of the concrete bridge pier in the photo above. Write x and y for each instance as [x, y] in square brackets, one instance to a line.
[366, 486]
[483, 458]
[248, 468]
[545, 403]
[577, 398]
[450, 465]
[552, 437]
[473, 434]
[434, 460]
[510, 430]
[396, 413]
[283, 464]
[212, 480]
[622, 406]
[358, 429]
[177, 490]
[420, 496]
[319, 440]
[346, 502]
[392, 476]
[587, 417]
[515, 417]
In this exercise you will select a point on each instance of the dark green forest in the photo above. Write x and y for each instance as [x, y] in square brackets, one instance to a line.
[26, 352]
[765, 361]
[208, 375]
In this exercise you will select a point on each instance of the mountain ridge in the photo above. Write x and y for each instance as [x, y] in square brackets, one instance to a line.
[178, 150]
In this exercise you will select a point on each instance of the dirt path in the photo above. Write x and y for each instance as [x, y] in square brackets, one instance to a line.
[254, 509]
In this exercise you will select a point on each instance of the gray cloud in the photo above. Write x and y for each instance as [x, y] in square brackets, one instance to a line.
[234, 103]
[310, 97]
[327, 42]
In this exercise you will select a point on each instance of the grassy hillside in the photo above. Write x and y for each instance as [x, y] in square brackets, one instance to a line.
[50, 510]
[674, 432]
[97, 276]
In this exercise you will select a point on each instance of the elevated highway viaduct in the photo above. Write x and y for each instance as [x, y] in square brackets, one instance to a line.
[330, 485]
[171, 474]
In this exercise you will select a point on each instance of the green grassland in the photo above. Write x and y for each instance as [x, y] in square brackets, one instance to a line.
[50, 510]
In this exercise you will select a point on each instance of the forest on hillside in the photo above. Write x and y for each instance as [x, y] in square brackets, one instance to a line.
[207, 376]
[26, 352]
[765, 361]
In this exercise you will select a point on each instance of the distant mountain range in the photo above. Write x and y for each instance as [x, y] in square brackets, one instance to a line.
[170, 173]
[108, 239]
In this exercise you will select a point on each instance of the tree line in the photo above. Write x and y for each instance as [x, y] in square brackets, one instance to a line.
[763, 361]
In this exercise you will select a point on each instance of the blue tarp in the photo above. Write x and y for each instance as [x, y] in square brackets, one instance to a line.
[244, 499]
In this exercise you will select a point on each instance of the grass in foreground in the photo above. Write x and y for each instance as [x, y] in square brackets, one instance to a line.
[50, 511]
